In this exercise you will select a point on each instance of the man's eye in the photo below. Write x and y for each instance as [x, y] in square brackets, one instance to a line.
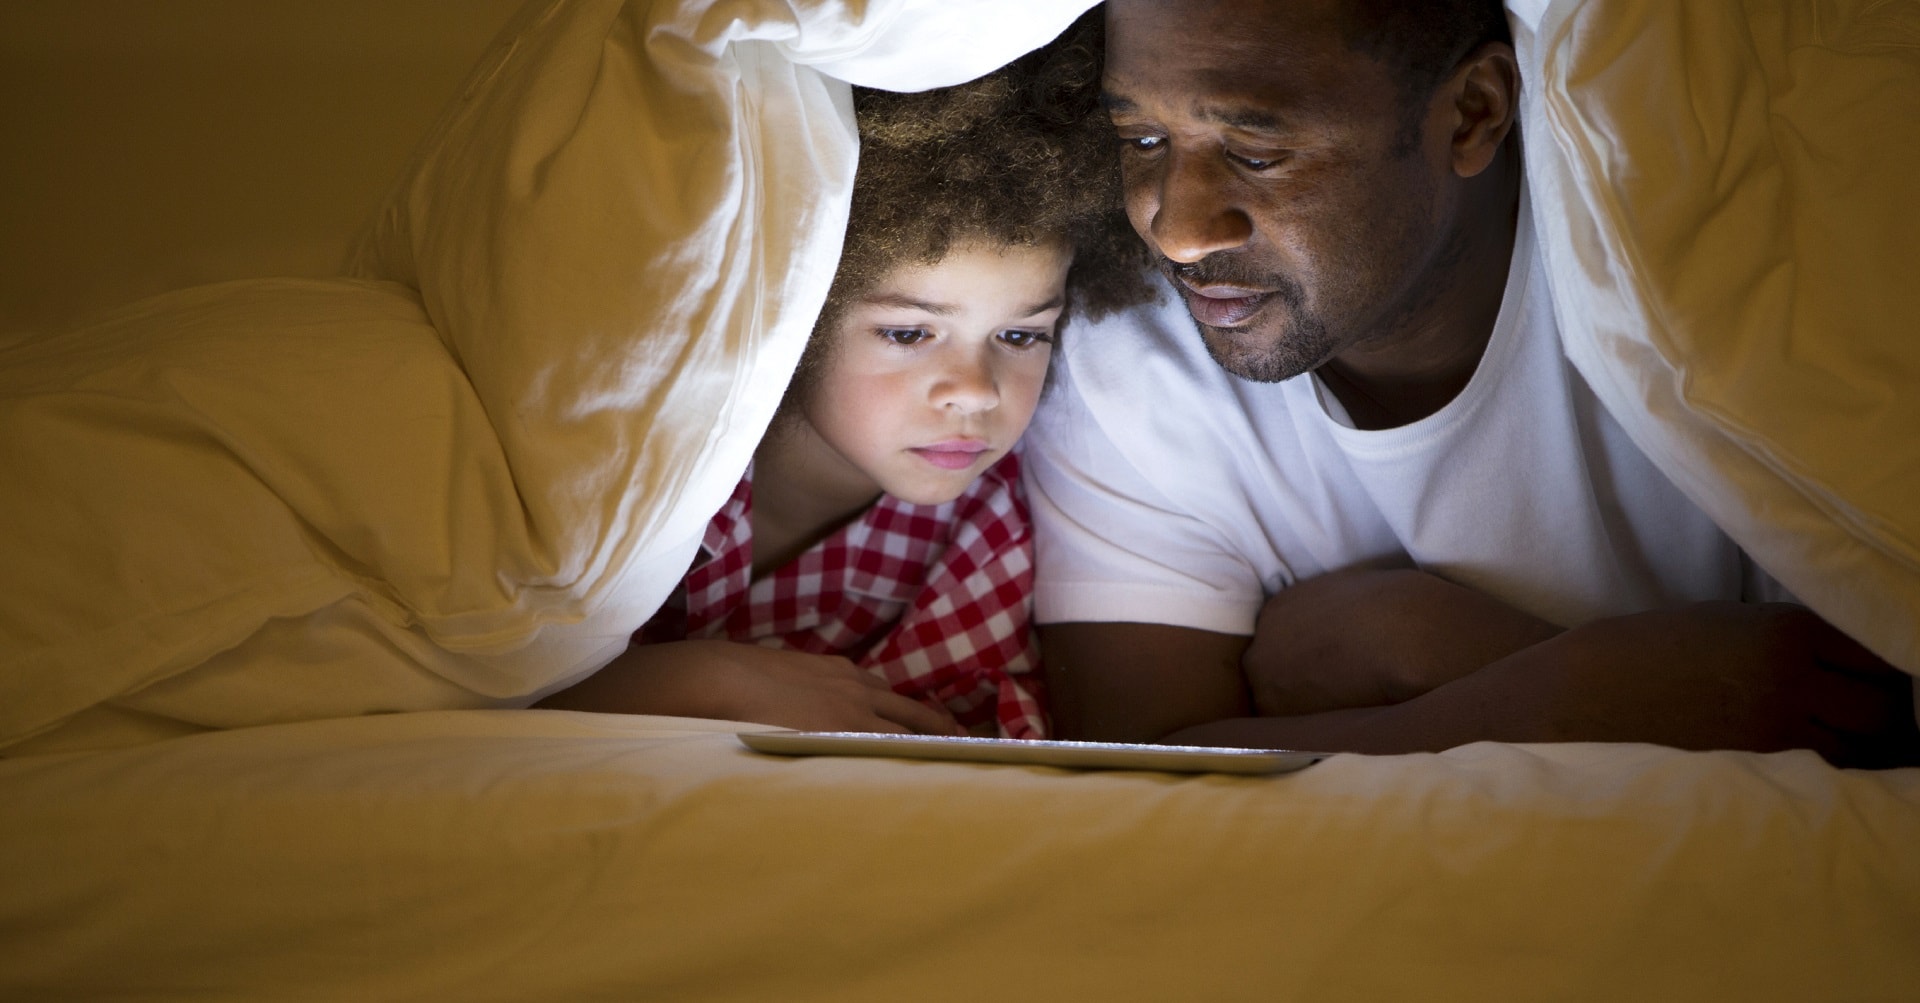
[1026, 339]
[904, 335]
[1141, 144]
[1255, 163]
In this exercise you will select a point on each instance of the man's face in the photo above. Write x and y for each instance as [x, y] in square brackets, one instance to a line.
[1272, 170]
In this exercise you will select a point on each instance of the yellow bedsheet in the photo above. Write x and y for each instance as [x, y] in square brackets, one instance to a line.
[538, 855]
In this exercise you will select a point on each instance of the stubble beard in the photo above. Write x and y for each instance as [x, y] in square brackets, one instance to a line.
[1288, 339]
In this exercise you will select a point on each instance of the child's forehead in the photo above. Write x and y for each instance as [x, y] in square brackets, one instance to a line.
[1037, 272]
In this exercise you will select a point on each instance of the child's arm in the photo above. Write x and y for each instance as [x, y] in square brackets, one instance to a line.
[730, 681]
[1370, 638]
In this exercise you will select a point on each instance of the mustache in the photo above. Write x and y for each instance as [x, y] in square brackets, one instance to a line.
[1216, 269]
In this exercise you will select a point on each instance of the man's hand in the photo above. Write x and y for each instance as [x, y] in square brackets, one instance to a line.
[1723, 675]
[1364, 638]
[731, 681]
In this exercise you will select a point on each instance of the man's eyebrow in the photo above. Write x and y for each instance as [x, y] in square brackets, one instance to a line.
[1250, 118]
[1247, 117]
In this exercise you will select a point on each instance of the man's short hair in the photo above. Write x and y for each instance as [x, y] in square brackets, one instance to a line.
[1420, 41]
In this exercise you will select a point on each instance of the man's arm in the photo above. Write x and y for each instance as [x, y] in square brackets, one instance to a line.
[1367, 638]
[1708, 676]
[1138, 682]
[1350, 639]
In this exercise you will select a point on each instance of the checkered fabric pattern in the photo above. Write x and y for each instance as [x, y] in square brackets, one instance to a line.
[936, 600]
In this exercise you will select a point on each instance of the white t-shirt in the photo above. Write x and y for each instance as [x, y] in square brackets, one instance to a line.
[1166, 490]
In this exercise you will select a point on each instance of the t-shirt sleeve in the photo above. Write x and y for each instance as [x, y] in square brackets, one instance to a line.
[1111, 544]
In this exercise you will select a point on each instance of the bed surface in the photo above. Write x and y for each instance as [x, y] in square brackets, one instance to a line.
[551, 855]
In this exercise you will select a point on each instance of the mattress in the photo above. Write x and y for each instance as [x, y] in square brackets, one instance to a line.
[503, 855]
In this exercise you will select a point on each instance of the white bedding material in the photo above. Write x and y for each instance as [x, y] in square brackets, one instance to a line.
[495, 855]
[1725, 192]
[272, 500]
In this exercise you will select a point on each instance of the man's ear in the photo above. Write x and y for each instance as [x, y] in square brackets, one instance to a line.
[1485, 95]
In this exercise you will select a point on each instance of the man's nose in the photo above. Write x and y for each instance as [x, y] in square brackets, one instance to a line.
[1196, 215]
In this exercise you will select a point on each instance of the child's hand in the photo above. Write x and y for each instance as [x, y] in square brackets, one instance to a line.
[815, 693]
[731, 681]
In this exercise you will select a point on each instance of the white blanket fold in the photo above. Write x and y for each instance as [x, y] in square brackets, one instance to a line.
[466, 484]
[1725, 196]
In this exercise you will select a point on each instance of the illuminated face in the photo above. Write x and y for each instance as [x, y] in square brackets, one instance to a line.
[1272, 169]
[933, 374]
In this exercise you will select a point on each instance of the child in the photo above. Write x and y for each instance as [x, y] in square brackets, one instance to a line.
[873, 569]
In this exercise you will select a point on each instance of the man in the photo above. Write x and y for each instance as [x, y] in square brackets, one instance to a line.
[1353, 401]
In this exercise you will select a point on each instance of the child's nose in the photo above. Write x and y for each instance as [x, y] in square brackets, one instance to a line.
[967, 384]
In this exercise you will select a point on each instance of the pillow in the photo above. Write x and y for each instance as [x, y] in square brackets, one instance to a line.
[1726, 201]
[465, 476]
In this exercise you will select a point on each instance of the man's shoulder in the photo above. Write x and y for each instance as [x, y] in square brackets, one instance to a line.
[1100, 352]
[1147, 364]
[1139, 408]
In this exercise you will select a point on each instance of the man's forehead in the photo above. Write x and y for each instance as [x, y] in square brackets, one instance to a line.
[1286, 27]
[1234, 73]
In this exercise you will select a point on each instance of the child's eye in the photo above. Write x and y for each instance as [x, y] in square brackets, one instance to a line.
[1140, 144]
[1026, 339]
[904, 335]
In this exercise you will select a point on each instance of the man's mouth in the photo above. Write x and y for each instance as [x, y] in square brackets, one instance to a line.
[1223, 305]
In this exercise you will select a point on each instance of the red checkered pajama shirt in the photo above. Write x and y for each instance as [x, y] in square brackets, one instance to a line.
[934, 599]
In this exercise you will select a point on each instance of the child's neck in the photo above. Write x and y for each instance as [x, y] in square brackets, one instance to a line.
[802, 492]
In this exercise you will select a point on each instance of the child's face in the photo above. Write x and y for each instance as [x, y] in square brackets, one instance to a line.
[934, 374]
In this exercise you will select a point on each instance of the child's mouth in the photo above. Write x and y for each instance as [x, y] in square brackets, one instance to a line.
[951, 455]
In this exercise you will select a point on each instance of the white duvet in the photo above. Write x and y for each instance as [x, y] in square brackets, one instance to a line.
[465, 481]
[1725, 195]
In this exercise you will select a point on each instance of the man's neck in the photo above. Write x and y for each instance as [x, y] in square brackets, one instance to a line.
[1429, 356]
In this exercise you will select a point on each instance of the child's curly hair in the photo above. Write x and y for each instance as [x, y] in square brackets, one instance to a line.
[1022, 156]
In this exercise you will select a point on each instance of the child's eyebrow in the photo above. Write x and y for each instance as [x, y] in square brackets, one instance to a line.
[909, 303]
[948, 309]
[1043, 306]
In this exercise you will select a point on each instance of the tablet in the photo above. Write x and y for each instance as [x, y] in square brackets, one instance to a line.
[1034, 752]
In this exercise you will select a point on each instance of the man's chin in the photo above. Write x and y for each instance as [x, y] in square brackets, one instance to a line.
[1247, 355]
